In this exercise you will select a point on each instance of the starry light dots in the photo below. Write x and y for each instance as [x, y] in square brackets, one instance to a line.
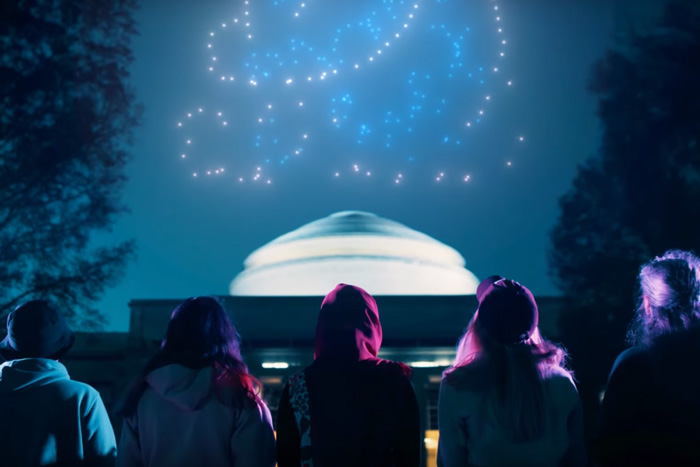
[360, 78]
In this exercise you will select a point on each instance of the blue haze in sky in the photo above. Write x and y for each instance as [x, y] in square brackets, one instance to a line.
[400, 135]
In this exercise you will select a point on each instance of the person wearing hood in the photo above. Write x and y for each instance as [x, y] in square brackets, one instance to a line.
[195, 402]
[651, 406]
[508, 399]
[349, 408]
[45, 417]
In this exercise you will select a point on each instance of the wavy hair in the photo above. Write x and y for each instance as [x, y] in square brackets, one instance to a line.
[200, 334]
[669, 297]
[510, 377]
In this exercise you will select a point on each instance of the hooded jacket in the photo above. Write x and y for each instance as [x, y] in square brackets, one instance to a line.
[47, 419]
[182, 420]
[363, 410]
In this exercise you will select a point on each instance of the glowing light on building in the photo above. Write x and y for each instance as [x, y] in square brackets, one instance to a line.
[275, 365]
[430, 363]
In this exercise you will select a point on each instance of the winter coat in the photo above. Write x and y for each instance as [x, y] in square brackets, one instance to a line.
[651, 406]
[363, 410]
[183, 420]
[470, 434]
[47, 419]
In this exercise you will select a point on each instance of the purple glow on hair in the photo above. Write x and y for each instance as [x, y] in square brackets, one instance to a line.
[510, 376]
[669, 296]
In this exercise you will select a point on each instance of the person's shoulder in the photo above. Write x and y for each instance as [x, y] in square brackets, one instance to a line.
[477, 376]
[636, 353]
[82, 393]
[296, 378]
[562, 387]
[82, 389]
[634, 357]
[670, 345]
[458, 388]
[257, 409]
[559, 376]
[393, 369]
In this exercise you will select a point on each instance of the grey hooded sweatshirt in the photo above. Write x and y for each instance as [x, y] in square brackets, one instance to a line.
[181, 421]
[47, 419]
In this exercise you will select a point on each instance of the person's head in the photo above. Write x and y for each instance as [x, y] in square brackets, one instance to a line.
[503, 355]
[36, 329]
[200, 333]
[669, 296]
[348, 326]
[507, 315]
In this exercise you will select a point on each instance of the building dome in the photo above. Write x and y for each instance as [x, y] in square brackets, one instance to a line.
[380, 255]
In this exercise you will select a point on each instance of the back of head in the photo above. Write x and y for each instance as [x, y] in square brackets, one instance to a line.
[503, 356]
[200, 333]
[669, 296]
[348, 326]
[508, 312]
[36, 329]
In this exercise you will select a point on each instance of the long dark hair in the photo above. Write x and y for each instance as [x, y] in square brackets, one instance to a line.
[509, 376]
[669, 297]
[200, 334]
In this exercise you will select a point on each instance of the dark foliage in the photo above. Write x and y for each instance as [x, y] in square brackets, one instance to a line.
[639, 196]
[66, 120]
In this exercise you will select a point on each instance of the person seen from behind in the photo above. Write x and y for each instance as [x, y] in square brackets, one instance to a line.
[45, 417]
[508, 399]
[650, 411]
[195, 404]
[349, 408]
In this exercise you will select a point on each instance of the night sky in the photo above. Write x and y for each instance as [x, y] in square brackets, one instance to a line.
[438, 131]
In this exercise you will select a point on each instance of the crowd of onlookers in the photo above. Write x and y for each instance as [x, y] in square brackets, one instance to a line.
[508, 400]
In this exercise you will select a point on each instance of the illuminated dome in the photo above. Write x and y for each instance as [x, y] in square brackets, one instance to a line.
[354, 247]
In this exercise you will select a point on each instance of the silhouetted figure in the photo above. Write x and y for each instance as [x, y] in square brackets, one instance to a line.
[508, 400]
[349, 408]
[195, 403]
[45, 417]
[650, 413]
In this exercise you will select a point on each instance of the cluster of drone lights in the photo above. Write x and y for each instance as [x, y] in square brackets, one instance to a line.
[287, 72]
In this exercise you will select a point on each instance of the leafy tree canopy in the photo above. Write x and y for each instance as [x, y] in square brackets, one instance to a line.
[641, 195]
[67, 115]
[638, 197]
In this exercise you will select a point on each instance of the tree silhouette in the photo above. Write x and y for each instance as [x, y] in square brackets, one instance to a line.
[639, 196]
[66, 120]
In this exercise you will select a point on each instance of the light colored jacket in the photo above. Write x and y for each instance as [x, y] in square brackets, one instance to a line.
[180, 421]
[47, 419]
[470, 435]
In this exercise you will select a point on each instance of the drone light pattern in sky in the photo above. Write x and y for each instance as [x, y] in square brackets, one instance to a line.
[361, 88]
